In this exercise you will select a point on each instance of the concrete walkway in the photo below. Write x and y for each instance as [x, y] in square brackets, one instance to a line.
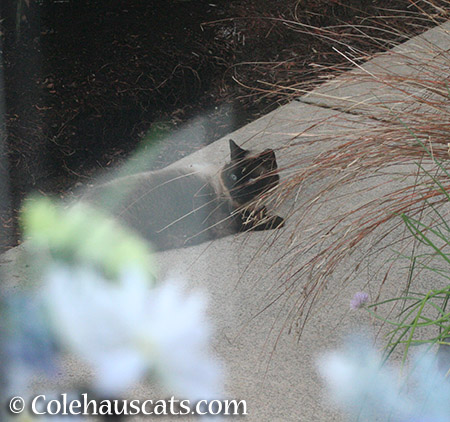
[274, 371]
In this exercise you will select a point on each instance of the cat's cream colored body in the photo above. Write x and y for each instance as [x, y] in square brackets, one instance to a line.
[176, 207]
[170, 207]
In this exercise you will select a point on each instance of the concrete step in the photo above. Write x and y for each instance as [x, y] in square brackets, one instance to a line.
[409, 78]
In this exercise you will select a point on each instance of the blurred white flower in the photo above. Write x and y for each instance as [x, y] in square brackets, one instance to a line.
[126, 330]
[359, 383]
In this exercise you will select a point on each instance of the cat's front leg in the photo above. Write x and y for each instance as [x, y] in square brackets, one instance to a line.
[257, 219]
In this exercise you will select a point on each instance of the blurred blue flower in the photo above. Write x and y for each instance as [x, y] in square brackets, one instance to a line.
[29, 341]
[359, 383]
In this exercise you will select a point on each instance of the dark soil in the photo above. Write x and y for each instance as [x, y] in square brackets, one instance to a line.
[86, 80]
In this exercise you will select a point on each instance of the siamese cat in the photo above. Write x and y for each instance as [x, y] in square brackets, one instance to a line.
[178, 207]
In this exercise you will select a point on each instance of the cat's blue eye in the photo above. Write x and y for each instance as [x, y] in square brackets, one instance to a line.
[233, 177]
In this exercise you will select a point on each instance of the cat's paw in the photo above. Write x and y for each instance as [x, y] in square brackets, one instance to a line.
[277, 222]
[268, 223]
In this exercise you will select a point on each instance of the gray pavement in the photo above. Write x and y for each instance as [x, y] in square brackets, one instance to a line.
[408, 78]
[266, 363]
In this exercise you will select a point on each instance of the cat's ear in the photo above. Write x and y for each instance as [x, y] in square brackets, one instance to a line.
[269, 158]
[236, 152]
[268, 154]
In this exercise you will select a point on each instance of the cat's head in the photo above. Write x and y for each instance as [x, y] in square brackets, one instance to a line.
[249, 175]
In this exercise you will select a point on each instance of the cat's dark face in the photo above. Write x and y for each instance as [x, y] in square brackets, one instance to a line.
[248, 176]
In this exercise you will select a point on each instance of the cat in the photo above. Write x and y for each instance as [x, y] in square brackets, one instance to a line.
[178, 207]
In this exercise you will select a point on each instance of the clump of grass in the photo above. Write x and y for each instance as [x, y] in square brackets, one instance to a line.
[421, 311]
[409, 145]
[412, 327]
[382, 157]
